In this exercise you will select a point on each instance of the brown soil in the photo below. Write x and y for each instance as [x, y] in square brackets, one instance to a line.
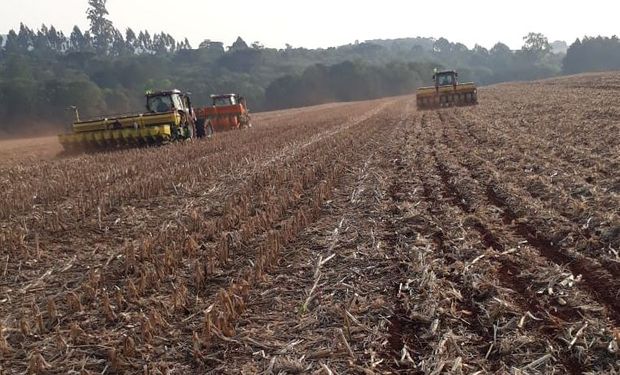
[347, 238]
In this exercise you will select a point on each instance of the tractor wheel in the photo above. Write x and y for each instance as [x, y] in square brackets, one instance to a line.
[200, 128]
[244, 121]
[191, 131]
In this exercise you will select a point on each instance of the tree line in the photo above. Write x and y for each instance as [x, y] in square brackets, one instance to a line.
[105, 71]
[592, 55]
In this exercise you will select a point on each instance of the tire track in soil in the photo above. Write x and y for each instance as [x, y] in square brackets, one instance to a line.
[438, 237]
[297, 267]
[509, 272]
[567, 154]
[597, 279]
[316, 140]
[285, 157]
[448, 191]
[402, 331]
[282, 156]
[407, 331]
[203, 149]
[257, 242]
[612, 266]
[509, 268]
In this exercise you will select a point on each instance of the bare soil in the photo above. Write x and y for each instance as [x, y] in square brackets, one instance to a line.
[347, 238]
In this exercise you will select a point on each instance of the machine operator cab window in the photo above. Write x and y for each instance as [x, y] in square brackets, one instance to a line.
[164, 103]
[445, 79]
[219, 101]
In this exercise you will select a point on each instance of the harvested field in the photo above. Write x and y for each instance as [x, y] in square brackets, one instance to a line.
[346, 238]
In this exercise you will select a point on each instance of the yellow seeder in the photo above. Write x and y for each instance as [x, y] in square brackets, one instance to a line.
[446, 92]
[169, 117]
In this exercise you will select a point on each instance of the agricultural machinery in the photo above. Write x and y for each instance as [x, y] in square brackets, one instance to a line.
[447, 92]
[227, 112]
[169, 117]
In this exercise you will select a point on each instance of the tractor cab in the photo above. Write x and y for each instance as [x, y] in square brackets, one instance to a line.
[446, 78]
[179, 103]
[168, 101]
[225, 100]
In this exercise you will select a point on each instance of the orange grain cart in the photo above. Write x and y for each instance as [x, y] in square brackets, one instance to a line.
[226, 113]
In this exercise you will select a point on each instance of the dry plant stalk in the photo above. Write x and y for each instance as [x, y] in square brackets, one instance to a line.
[24, 327]
[207, 329]
[76, 333]
[344, 342]
[107, 307]
[133, 291]
[52, 311]
[74, 303]
[196, 346]
[179, 299]
[37, 364]
[39, 318]
[37, 247]
[61, 344]
[147, 330]
[199, 274]
[4, 345]
[113, 359]
[118, 297]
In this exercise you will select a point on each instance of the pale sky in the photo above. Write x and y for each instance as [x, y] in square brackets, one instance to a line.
[325, 23]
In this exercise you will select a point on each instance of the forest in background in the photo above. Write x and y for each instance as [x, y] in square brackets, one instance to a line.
[105, 71]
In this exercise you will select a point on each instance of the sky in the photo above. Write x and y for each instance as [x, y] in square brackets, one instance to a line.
[326, 23]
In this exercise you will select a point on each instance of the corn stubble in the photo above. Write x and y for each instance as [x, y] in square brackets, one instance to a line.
[360, 237]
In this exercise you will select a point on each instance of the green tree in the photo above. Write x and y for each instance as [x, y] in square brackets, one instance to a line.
[20, 98]
[11, 45]
[101, 28]
[130, 41]
[442, 45]
[18, 66]
[57, 39]
[41, 41]
[592, 54]
[239, 44]
[536, 45]
[241, 60]
[212, 46]
[145, 42]
[79, 42]
[82, 93]
[25, 38]
[500, 50]
[119, 47]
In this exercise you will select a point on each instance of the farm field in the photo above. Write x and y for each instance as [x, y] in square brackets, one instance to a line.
[359, 237]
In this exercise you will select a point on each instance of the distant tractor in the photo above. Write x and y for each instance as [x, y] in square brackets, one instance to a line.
[227, 112]
[169, 117]
[447, 92]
